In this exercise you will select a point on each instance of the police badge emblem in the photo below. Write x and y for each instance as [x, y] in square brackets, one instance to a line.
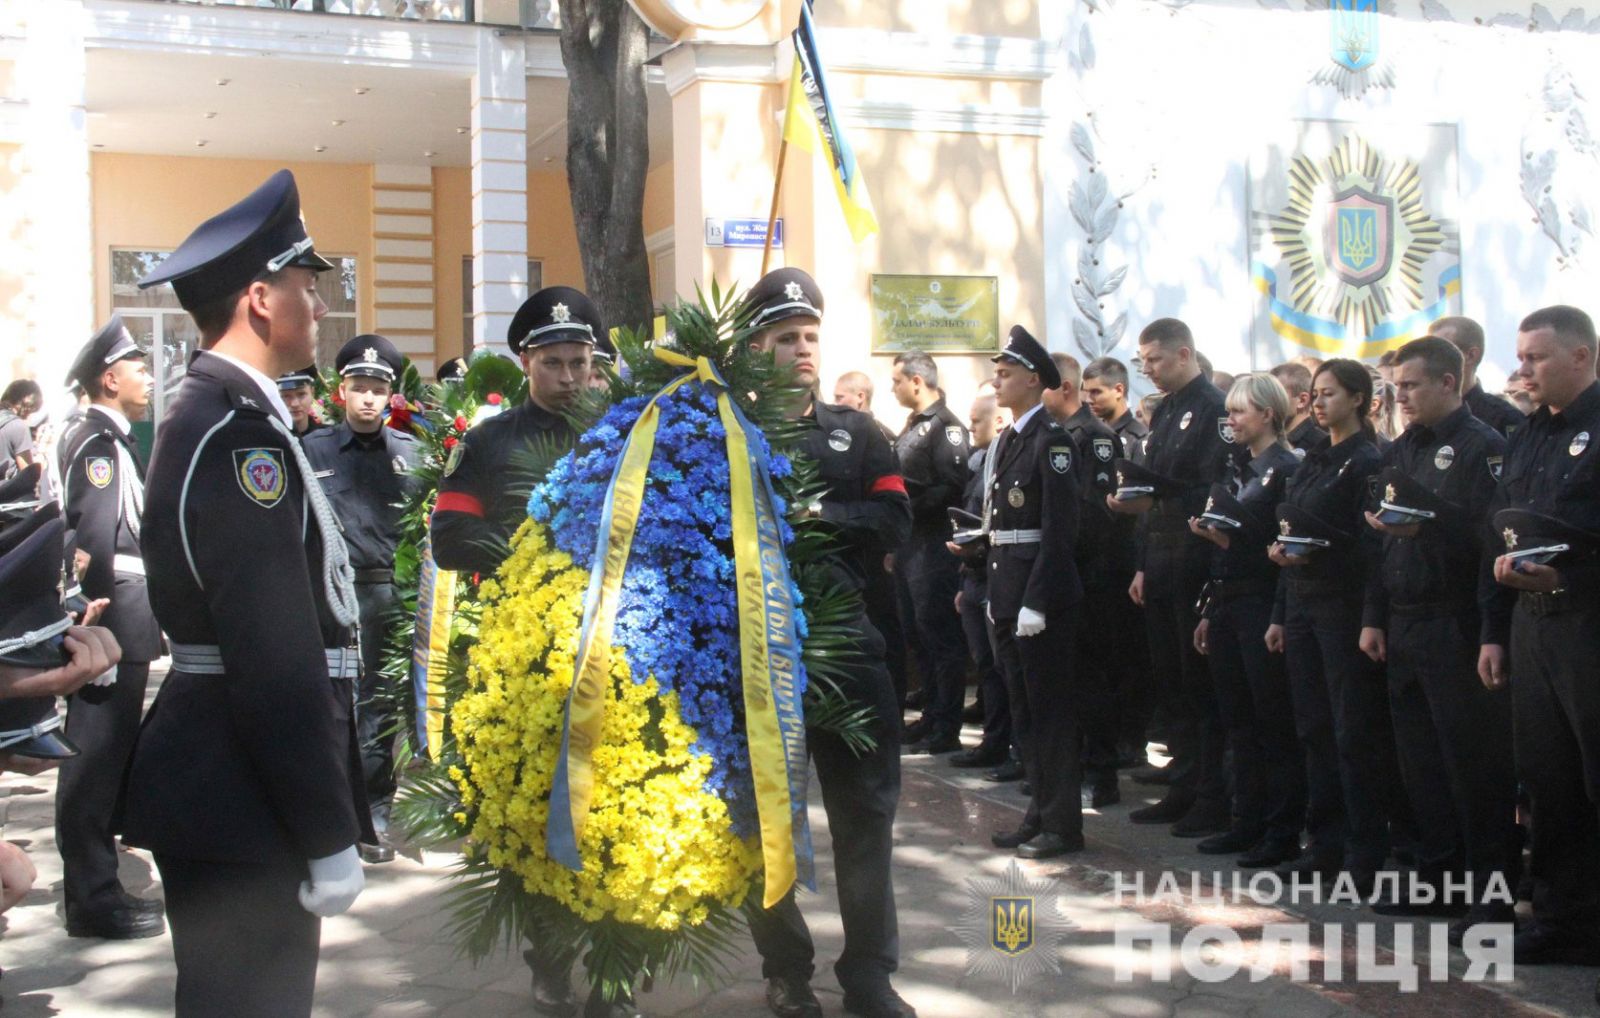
[1510, 537]
[1016, 498]
[839, 440]
[1102, 449]
[260, 475]
[1060, 458]
[454, 459]
[1444, 457]
[1188, 418]
[99, 470]
[1580, 442]
[1284, 529]
[399, 464]
[924, 427]
[952, 434]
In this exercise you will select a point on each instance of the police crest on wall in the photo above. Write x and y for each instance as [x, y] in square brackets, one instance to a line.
[1354, 238]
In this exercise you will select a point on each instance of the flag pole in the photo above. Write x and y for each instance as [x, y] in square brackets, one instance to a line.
[772, 216]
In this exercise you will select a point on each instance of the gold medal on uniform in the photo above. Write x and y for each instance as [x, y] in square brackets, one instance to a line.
[1016, 498]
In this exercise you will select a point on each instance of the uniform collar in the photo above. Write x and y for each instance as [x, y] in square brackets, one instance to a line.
[1580, 411]
[1022, 422]
[1422, 434]
[348, 436]
[932, 410]
[268, 386]
[1193, 386]
[115, 416]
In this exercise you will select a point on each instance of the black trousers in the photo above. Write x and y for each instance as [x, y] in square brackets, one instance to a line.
[1341, 709]
[1556, 706]
[244, 946]
[1195, 737]
[991, 684]
[926, 581]
[1126, 645]
[1269, 787]
[860, 795]
[1453, 737]
[375, 706]
[103, 722]
[1046, 705]
[1096, 678]
[883, 611]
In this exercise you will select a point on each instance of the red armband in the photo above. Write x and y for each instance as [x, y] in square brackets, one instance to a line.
[458, 502]
[888, 482]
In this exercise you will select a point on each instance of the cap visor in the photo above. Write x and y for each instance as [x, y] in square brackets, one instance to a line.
[49, 746]
[1394, 515]
[313, 261]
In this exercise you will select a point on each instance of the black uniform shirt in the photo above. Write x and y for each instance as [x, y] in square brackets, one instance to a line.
[1189, 442]
[482, 500]
[368, 479]
[1259, 482]
[1034, 486]
[1500, 414]
[933, 460]
[1552, 467]
[103, 477]
[1098, 447]
[1306, 434]
[1459, 460]
[866, 496]
[1333, 484]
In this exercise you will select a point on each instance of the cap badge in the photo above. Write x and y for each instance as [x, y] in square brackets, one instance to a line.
[1388, 493]
[1017, 498]
[1580, 442]
[839, 440]
[1188, 418]
[793, 291]
[560, 314]
[1444, 457]
[1284, 528]
[1210, 503]
[1510, 538]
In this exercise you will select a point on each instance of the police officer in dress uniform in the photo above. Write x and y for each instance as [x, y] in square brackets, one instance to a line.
[1189, 444]
[244, 780]
[298, 389]
[1422, 618]
[481, 499]
[1547, 609]
[1098, 448]
[103, 473]
[866, 503]
[367, 471]
[932, 449]
[1031, 515]
[1466, 336]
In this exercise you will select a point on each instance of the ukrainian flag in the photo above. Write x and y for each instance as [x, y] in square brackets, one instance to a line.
[811, 124]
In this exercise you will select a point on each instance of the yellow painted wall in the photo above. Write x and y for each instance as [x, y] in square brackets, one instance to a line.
[13, 308]
[658, 199]
[452, 241]
[136, 205]
[552, 237]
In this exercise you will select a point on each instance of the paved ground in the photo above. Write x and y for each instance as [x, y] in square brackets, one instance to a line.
[389, 957]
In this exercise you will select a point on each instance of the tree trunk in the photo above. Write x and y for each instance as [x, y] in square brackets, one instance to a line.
[604, 44]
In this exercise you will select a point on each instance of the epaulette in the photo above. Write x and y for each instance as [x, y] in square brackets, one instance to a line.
[245, 401]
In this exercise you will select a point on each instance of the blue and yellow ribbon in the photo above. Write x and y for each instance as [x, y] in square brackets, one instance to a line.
[430, 647]
[1325, 335]
[768, 637]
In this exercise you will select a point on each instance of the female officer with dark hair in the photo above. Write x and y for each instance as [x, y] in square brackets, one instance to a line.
[1341, 707]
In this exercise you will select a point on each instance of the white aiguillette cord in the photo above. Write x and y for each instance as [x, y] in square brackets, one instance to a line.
[338, 578]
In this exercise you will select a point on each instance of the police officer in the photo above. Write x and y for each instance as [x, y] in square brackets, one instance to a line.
[1296, 381]
[1188, 444]
[1422, 619]
[104, 483]
[1549, 614]
[866, 504]
[298, 389]
[1466, 336]
[1095, 553]
[367, 471]
[932, 449]
[244, 781]
[1031, 513]
[483, 494]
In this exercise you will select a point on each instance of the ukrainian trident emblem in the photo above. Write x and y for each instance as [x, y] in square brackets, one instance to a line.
[1360, 235]
[1013, 926]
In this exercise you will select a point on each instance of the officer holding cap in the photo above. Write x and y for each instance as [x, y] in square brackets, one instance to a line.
[1422, 620]
[103, 479]
[865, 504]
[32, 628]
[367, 471]
[1546, 607]
[244, 781]
[482, 500]
[1031, 511]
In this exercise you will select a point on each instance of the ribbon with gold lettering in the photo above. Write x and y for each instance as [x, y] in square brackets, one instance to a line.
[769, 643]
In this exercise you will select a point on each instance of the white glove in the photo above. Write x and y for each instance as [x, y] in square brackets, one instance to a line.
[1030, 622]
[335, 883]
[108, 679]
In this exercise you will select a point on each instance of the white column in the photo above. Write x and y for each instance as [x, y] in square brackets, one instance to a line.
[50, 210]
[402, 244]
[499, 188]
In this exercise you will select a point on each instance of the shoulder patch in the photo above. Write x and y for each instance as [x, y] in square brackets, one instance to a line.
[1061, 458]
[99, 470]
[260, 474]
[1225, 430]
[953, 434]
[1495, 464]
[454, 459]
[1102, 449]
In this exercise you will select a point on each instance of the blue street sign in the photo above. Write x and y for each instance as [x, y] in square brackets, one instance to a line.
[742, 233]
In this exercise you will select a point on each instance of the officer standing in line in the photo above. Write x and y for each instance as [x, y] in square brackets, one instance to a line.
[866, 501]
[481, 501]
[1466, 336]
[1546, 607]
[367, 471]
[1031, 513]
[1422, 618]
[932, 450]
[104, 486]
[299, 392]
[1098, 448]
[244, 781]
[1295, 378]
[1189, 443]
[1105, 389]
